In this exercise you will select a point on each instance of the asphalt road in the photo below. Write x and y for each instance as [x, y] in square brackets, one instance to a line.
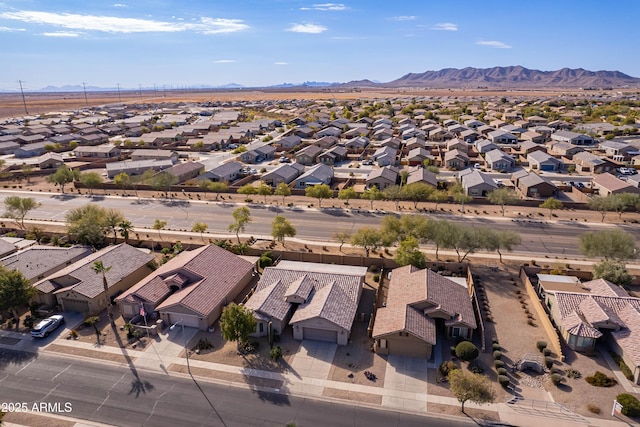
[125, 397]
[538, 236]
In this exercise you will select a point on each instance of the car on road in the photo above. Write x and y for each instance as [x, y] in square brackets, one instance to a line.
[46, 326]
[284, 160]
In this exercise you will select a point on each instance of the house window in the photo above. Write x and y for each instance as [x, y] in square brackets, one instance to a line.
[383, 343]
[455, 332]
[261, 327]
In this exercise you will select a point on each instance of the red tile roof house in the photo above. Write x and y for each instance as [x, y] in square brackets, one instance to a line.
[319, 300]
[194, 286]
[419, 302]
[78, 287]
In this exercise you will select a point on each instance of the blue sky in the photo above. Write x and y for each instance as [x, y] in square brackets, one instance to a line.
[265, 42]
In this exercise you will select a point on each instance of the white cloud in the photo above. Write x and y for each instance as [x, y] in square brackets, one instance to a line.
[120, 5]
[493, 43]
[404, 18]
[10, 30]
[280, 63]
[60, 34]
[113, 24]
[326, 6]
[307, 28]
[445, 26]
[224, 61]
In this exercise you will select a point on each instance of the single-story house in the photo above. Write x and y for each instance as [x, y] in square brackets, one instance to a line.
[137, 167]
[37, 262]
[534, 185]
[484, 146]
[266, 152]
[30, 150]
[527, 147]
[149, 154]
[532, 136]
[608, 184]
[318, 174]
[417, 302]
[385, 156]
[50, 161]
[498, 160]
[288, 142]
[571, 137]
[543, 161]
[358, 144]
[185, 171]
[616, 148]
[100, 151]
[420, 174]
[192, 287]
[456, 159]
[8, 147]
[477, 184]
[589, 162]
[417, 156]
[284, 173]
[564, 149]
[334, 155]
[308, 155]
[226, 172]
[318, 300]
[502, 137]
[382, 178]
[78, 287]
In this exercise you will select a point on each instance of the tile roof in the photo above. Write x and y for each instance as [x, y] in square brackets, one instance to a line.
[122, 259]
[410, 287]
[604, 287]
[300, 287]
[220, 271]
[335, 303]
[629, 338]
[269, 302]
[37, 260]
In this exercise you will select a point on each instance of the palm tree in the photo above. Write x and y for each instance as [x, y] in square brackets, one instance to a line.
[125, 227]
[99, 268]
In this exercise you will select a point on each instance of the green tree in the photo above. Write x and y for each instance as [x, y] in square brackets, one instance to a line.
[93, 321]
[125, 228]
[615, 272]
[15, 292]
[27, 171]
[91, 180]
[17, 208]
[99, 268]
[503, 196]
[394, 193]
[162, 182]
[159, 224]
[610, 244]
[320, 191]
[63, 176]
[467, 386]
[241, 217]
[113, 218]
[600, 204]
[418, 192]
[372, 194]
[88, 225]
[404, 175]
[347, 194]
[438, 196]
[551, 204]
[409, 253]
[282, 190]
[622, 202]
[265, 190]
[281, 228]
[342, 236]
[468, 240]
[123, 180]
[217, 187]
[458, 195]
[199, 227]
[247, 190]
[368, 238]
[236, 323]
[501, 240]
[446, 235]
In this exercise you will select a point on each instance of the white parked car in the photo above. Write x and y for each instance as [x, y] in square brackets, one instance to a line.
[46, 326]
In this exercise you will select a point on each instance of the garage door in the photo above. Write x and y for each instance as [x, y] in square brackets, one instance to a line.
[409, 348]
[190, 321]
[547, 168]
[320, 335]
[75, 305]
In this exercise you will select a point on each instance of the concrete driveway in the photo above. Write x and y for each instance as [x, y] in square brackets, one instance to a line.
[405, 383]
[314, 359]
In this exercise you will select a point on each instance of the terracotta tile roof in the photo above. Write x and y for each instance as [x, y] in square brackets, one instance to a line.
[220, 271]
[411, 287]
[596, 313]
[604, 287]
[569, 302]
[575, 325]
[420, 325]
[122, 259]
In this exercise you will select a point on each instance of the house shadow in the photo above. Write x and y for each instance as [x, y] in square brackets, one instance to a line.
[175, 203]
[63, 197]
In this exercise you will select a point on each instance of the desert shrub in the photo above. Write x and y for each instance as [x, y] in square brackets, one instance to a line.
[626, 371]
[503, 380]
[573, 373]
[548, 362]
[498, 364]
[446, 367]
[541, 345]
[466, 351]
[276, 353]
[29, 321]
[476, 369]
[595, 409]
[546, 352]
[601, 380]
[557, 379]
[494, 340]
[630, 404]
[204, 344]
[495, 347]
[497, 355]
[502, 371]
[376, 277]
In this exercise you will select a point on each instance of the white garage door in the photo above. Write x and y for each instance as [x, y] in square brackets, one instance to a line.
[75, 305]
[190, 321]
[320, 335]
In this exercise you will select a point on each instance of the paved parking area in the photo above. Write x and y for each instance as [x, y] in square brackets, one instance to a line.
[405, 377]
[314, 359]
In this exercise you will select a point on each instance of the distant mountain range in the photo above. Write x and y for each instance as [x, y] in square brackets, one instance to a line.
[515, 77]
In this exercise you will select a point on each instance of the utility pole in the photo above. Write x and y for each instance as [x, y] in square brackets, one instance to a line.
[140, 90]
[84, 87]
[164, 90]
[24, 101]
[119, 97]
